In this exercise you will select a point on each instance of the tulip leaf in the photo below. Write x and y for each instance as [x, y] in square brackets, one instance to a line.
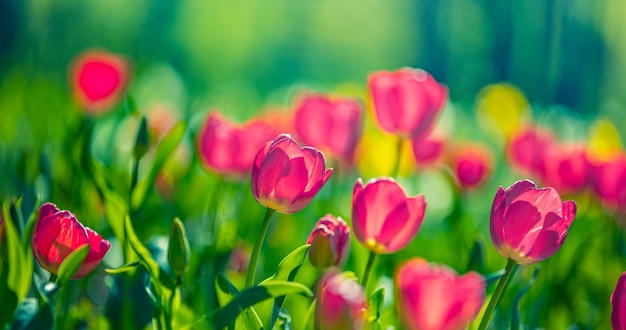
[124, 268]
[164, 151]
[72, 263]
[19, 261]
[115, 209]
[226, 292]
[30, 224]
[286, 271]
[227, 314]
[375, 308]
[9, 300]
[29, 315]
[515, 317]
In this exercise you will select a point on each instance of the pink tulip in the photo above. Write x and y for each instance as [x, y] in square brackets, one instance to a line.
[471, 164]
[608, 180]
[432, 297]
[285, 177]
[98, 80]
[428, 149]
[529, 224]
[407, 101]
[528, 148]
[566, 167]
[57, 234]
[332, 126]
[383, 218]
[618, 302]
[341, 302]
[330, 242]
[230, 149]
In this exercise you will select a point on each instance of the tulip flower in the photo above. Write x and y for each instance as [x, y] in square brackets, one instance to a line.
[432, 297]
[230, 149]
[529, 224]
[428, 150]
[341, 303]
[98, 80]
[566, 167]
[58, 233]
[332, 126]
[528, 148]
[608, 180]
[330, 242]
[384, 219]
[407, 101]
[618, 303]
[471, 164]
[285, 177]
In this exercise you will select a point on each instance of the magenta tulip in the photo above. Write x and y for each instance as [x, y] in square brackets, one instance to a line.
[528, 148]
[230, 149]
[384, 219]
[529, 224]
[567, 167]
[57, 234]
[331, 125]
[285, 177]
[471, 164]
[407, 101]
[432, 297]
[618, 303]
[428, 150]
[608, 180]
[330, 242]
[341, 302]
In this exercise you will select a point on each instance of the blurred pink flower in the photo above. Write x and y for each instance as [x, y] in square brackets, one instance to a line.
[230, 149]
[285, 177]
[341, 302]
[384, 219]
[432, 297]
[528, 148]
[428, 149]
[98, 80]
[330, 242]
[608, 180]
[406, 101]
[529, 224]
[566, 167]
[333, 126]
[618, 303]
[57, 234]
[471, 164]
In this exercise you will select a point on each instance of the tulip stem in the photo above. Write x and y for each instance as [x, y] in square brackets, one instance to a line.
[368, 269]
[396, 167]
[254, 258]
[509, 270]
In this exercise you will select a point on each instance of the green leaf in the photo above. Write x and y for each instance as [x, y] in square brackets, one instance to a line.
[164, 151]
[29, 316]
[124, 268]
[226, 292]
[375, 308]
[515, 317]
[20, 262]
[477, 260]
[115, 209]
[9, 300]
[30, 225]
[286, 271]
[72, 263]
[248, 297]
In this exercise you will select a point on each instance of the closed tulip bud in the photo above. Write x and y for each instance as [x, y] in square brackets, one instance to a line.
[529, 224]
[384, 219]
[98, 80]
[567, 167]
[331, 125]
[608, 180]
[330, 243]
[178, 250]
[528, 149]
[285, 177]
[58, 233]
[341, 303]
[432, 297]
[143, 139]
[230, 149]
[471, 164]
[618, 303]
[428, 150]
[407, 101]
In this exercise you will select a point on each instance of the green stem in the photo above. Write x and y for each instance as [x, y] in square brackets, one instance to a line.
[368, 269]
[254, 258]
[509, 270]
[396, 167]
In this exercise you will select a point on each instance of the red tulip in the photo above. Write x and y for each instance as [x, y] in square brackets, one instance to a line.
[341, 302]
[618, 302]
[608, 180]
[230, 149]
[529, 224]
[384, 219]
[330, 242]
[406, 101]
[57, 234]
[333, 126]
[285, 177]
[432, 297]
[566, 167]
[98, 80]
[471, 164]
[528, 148]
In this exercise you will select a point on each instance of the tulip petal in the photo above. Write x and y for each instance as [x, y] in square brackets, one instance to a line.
[402, 224]
[98, 248]
[618, 303]
[497, 218]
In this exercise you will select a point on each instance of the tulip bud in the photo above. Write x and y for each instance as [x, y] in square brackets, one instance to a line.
[432, 297]
[471, 164]
[178, 250]
[285, 177]
[528, 149]
[529, 224]
[618, 303]
[330, 242]
[341, 302]
[58, 233]
[384, 219]
[142, 141]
